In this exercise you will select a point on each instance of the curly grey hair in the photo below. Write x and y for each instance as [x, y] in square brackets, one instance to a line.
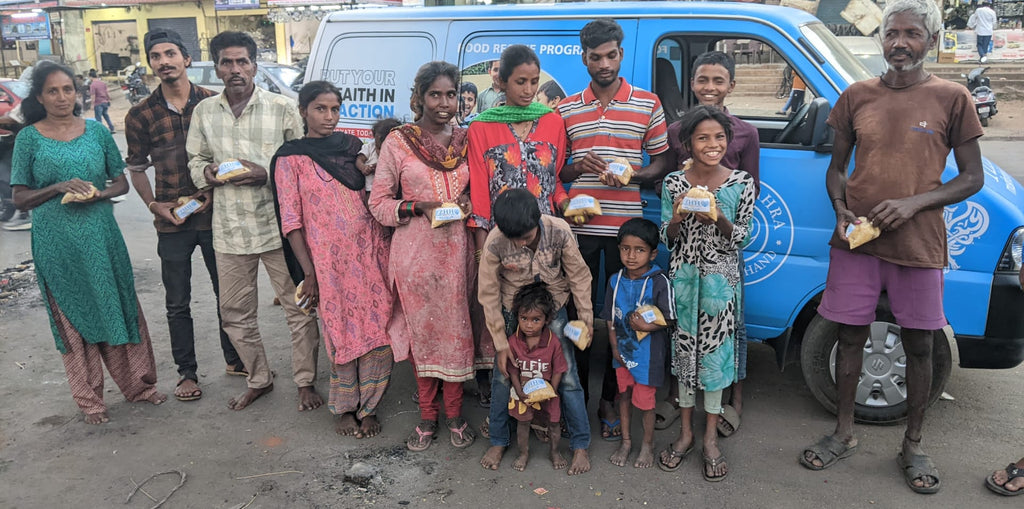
[927, 9]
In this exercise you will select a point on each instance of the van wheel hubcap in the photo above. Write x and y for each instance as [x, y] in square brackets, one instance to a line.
[882, 380]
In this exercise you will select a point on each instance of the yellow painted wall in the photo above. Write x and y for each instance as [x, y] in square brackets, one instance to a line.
[206, 24]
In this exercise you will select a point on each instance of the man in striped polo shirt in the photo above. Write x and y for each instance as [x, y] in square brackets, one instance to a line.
[607, 120]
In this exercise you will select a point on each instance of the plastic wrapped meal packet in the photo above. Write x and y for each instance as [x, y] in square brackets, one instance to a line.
[621, 168]
[649, 314]
[578, 333]
[860, 234]
[230, 168]
[80, 197]
[699, 199]
[538, 390]
[186, 206]
[582, 205]
[447, 213]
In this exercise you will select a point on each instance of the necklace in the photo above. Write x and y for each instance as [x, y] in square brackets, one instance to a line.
[522, 129]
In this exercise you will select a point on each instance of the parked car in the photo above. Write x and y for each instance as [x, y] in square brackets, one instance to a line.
[868, 50]
[11, 94]
[276, 78]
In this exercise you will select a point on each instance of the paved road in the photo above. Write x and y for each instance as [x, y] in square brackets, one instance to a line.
[49, 458]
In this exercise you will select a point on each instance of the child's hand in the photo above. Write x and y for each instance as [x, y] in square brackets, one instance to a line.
[677, 213]
[615, 354]
[705, 217]
[639, 324]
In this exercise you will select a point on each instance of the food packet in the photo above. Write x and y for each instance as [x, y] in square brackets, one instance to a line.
[538, 390]
[80, 197]
[860, 234]
[520, 407]
[186, 206]
[621, 168]
[699, 199]
[578, 333]
[230, 168]
[304, 304]
[650, 314]
[582, 205]
[447, 213]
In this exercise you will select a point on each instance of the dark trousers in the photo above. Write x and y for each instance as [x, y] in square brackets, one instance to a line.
[175, 251]
[592, 248]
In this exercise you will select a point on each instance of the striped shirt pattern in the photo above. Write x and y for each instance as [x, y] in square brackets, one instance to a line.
[633, 122]
[244, 221]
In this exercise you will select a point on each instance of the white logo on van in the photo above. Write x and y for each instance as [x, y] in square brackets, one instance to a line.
[965, 223]
[771, 236]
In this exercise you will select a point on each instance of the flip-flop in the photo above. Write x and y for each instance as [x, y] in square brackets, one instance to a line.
[611, 436]
[236, 371]
[829, 451]
[1012, 472]
[485, 428]
[673, 454]
[420, 440]
[459, 428]
[916, 466]
[713, 463]
[196, 394]
[729, 421]
[668, 414]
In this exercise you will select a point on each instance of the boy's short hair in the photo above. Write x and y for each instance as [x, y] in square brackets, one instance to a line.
[716, 58]
[643, 229]
[600, 31]
[382, 128]
[534, 296]
[516, 212]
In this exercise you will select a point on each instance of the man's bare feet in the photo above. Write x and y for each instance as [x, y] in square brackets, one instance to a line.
[98, 418]
[248, 397]
[646, 457]
[520, 463]
[369, 427]
[492, 458]
[309, 399]
[346, 425]
[157, 398]
[580, 462]
[621, 454]
[187, 390]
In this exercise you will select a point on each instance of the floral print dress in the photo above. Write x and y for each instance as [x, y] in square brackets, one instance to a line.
[704, 268]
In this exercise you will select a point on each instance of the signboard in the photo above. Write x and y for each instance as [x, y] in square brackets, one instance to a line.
[1007, 45]
[25, 26]
[228, 5]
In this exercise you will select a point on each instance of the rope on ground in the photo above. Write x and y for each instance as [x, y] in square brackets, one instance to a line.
[269, 473]
[138, 487]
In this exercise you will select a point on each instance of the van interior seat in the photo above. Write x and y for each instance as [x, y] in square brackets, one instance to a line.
[666, 85]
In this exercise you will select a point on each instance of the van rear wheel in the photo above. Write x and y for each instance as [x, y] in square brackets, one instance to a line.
[881, 392]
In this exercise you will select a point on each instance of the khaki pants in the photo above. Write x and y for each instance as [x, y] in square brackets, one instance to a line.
[238, 305]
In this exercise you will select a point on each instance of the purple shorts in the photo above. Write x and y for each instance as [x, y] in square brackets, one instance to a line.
[855, 281]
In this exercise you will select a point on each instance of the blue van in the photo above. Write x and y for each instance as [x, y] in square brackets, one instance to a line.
[373, 55]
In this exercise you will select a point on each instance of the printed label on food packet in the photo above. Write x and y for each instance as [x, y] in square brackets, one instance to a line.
[228, 167]
[696, 204]
[849, 230]
[535, 384]
[187, 209]
[618, 169]
[447, 214]
[572, 332]
[581, 202]
[649, 316]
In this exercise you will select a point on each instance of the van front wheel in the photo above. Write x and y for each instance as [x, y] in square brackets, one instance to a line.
[881, 392]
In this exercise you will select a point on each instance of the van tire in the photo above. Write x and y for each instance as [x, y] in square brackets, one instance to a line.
[819, 341]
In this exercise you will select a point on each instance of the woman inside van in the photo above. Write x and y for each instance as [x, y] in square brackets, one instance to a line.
[422, 190]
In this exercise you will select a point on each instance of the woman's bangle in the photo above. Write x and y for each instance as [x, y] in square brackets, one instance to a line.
[150, 206]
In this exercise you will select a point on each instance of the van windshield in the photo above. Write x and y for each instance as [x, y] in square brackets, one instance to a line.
[835, 53]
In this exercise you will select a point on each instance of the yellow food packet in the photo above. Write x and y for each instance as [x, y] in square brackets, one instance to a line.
[186, 206]
[582, 205]
[699, 199]
[304, 304]
[578, 333]
[621, 168]
[538, 390]
[650, 314]
[860, 234]
[447, 213]
[230, 168]
[80, 197]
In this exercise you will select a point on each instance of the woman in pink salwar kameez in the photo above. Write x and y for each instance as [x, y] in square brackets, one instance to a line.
[422, 166]
[343, 252]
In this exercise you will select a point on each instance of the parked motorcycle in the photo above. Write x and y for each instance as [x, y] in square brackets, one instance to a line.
[984, 97]
[135, 90]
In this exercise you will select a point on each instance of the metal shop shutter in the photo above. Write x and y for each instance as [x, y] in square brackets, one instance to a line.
[186, 28]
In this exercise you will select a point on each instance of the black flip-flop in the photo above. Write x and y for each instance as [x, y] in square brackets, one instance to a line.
[673, 454]
[1012, 472]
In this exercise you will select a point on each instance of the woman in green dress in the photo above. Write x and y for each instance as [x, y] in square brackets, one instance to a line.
[82, 263]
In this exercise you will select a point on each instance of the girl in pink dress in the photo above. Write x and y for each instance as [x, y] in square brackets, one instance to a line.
[343, 254]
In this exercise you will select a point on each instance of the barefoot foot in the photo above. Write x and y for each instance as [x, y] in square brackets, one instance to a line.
[248, 397]
[97, 418]
[646, 457]
[346, 425]
[558, 461]
[520, 463]
[622, 453]
[369, 427]
[492, 458]
[309, 399]
[157, 398]
[580, 462]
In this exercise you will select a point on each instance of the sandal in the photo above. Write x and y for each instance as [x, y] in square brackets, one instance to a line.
[729, 421]
[422, 436]
[194, 395]
[917, 467]
[713, 463]
[236, 371]
[485, 428]
[829, 451]
[1012, 472]
[462, 435]
[608, 430]
[673, 454]
[665, 414]
[485, 399]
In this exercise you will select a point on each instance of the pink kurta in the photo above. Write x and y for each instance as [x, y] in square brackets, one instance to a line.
[431, 269]
[348, 250]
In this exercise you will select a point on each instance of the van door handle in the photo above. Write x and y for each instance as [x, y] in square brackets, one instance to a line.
[643, 203]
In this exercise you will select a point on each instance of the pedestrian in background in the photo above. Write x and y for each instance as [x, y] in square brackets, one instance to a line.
[983, 21]
[82, 264]
[100, 99]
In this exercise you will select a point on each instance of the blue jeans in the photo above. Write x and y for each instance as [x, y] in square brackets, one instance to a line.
[574, 408]
[100, 112]
[984, 42]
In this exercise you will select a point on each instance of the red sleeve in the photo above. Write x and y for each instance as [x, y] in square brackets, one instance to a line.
[561, 142]
[479, 177]
[558, 363]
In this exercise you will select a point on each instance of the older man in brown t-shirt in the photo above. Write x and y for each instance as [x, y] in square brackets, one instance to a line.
[904, 125]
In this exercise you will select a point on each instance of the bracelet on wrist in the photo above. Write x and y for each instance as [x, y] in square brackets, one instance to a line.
[150, 206]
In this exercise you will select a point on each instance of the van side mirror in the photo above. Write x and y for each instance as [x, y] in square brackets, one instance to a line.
[813, 131]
